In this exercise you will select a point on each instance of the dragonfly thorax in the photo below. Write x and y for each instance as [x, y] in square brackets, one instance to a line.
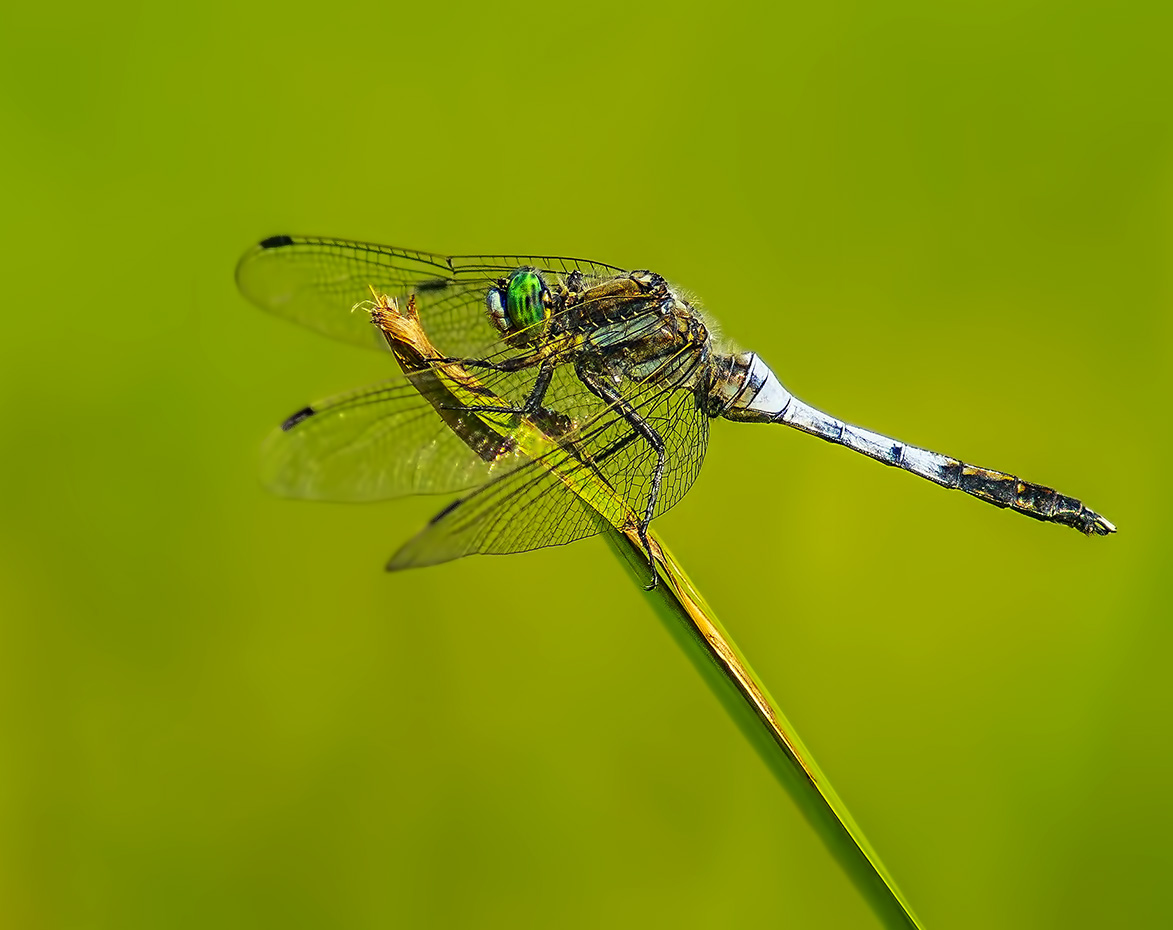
[636, 327]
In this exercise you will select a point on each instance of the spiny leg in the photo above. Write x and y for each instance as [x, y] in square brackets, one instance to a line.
[536, 395]
[511, 364]
[604, 391]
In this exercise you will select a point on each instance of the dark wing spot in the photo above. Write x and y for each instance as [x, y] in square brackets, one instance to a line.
[303, 414]
[275, 242]
[432, 284]
[447, 510]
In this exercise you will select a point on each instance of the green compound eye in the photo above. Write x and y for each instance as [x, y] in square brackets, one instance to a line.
[525, 303]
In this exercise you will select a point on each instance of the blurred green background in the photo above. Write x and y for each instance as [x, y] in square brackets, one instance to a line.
[949, 223]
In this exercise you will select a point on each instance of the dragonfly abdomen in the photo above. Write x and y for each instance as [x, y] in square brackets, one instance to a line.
[744, 388]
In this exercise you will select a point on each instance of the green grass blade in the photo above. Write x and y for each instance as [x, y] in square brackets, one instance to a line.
[694, 626]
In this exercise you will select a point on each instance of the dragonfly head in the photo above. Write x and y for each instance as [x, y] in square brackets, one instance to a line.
[520, 304]
[742, 387]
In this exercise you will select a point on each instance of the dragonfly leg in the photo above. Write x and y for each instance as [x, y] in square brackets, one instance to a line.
[511, 364]
[532, 403]
[604, 391]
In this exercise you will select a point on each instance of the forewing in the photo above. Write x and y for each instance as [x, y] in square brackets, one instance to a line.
[317, 282]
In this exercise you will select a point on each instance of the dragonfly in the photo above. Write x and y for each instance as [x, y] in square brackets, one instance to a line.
[529, 379]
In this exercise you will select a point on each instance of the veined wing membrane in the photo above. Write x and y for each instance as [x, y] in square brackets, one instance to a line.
[377, 443]
[317, 281]
[593, 475]
[525, 509]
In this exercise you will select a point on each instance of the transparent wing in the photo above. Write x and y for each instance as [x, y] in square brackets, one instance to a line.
[534, 504]
[372, 444]
[317, 281]
[389, 440]
[526, 509]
